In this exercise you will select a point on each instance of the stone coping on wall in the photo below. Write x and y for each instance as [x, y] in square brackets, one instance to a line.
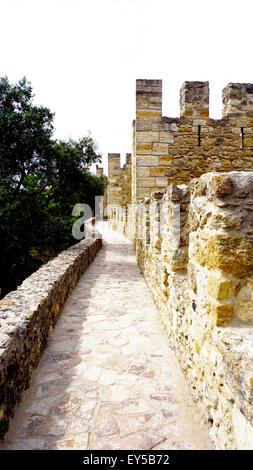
[28, 315]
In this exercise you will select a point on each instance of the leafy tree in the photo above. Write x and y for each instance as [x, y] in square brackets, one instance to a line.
[41, 179]
[71, 180]
[25, 134]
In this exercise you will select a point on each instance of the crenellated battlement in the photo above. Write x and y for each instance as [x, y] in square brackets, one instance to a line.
[119, 189]
[173, 150]
[149, 99]
[194, 100]
[237, 99]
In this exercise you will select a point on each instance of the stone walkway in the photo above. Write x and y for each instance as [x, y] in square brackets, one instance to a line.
[108, 379]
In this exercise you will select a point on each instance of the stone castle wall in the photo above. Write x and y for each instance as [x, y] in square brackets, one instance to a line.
[120, 181]
[27, 317]
[178, 149]
[114, 180]
[195, 248]
[191, 221]
[167, 150]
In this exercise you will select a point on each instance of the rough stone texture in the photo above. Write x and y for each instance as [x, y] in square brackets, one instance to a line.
[194, 100]
[194, 247]
[237, 100]
[218, 306]
[194, 244]
[27, 317]
[167, 150]
[108, 378]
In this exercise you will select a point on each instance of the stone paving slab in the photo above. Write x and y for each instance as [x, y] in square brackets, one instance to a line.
[108, 378]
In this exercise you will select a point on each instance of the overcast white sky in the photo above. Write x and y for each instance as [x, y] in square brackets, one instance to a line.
[83, 57]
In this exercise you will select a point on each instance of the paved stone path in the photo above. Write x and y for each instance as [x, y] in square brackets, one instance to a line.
[108, 379]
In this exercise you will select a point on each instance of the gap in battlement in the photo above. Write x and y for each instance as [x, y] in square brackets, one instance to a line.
[170, 102]
[215, 99]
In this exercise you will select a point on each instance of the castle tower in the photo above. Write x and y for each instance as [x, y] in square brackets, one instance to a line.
[145, 150]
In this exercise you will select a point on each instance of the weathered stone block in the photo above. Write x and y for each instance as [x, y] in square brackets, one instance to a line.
[146, 160]
[166, 137]
[222, 314]
[161, 182]
[148, 114]
[244, 300]
[160, 148]
[159, 171]
[232, 254]
[146, 182]
[165, 160]
[179, 259]
[219, 289]
[220, 185]
[144, 172]
[143, 149]
[147, 137]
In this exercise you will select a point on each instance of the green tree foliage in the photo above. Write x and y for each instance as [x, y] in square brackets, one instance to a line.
[41, 179]
[25, 134]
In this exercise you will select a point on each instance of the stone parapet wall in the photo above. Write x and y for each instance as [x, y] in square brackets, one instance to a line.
[217, 328]
[194, 245]
[123, 219]
[27, 317]
[118, 219]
